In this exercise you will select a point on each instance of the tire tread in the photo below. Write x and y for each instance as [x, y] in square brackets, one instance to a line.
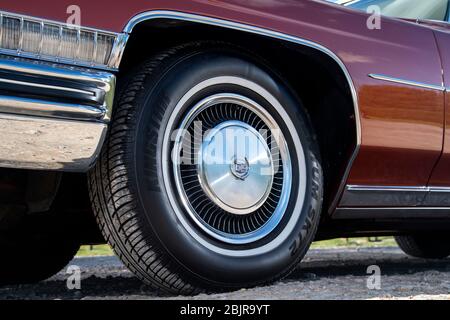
[115, 200]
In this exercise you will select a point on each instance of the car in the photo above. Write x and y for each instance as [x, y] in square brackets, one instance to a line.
[211, 142]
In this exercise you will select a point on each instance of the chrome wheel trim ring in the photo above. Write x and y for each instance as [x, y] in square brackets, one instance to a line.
[279, 210]
[297, 147]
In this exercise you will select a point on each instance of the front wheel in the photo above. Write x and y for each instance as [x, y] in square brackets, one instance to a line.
[210, 177]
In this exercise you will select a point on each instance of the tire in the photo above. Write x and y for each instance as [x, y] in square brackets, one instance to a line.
[35, 249]
[428, 246]
[140, 192]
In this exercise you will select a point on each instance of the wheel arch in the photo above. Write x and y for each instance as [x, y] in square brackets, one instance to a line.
[159, 29]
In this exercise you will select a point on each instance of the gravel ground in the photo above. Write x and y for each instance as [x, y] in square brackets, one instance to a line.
[324, 274]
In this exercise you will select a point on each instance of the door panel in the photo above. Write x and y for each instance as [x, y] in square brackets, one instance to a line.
[441, 174]
[402, 129]
[401, 121]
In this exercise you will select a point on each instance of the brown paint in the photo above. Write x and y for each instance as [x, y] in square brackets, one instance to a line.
[401, 134]
[402, 126]
[441, 174]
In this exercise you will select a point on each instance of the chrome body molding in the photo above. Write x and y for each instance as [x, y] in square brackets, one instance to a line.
[118, 51]
[174, 15]
[407, 82]
[18, 105]
[355, 196]
[40, 143]
[52, 116]
[46, 89]
[395, 196]
[110, 59]
[392, 213]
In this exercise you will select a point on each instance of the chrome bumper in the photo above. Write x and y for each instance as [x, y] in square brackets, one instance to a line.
[52, 117]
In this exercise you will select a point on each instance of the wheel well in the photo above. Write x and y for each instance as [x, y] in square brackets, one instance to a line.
[49, 195]
[313, 76]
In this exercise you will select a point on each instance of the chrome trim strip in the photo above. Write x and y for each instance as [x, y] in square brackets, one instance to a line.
[94, 54]
[19, 50]
[1, 26]
[117, 51]
[60, 43]
[397, 188]
[387, 188]
[394, 196]
[78, 43]
[392, 213]
[163, 14]
[94, 89]
[41, 41]
[16, 105]
[39, 85]
[41, 57]
[21, 65]
[383, 196]
[406, 82]
[439, 189]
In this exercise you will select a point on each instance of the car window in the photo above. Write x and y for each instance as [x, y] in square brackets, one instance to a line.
[406, 9]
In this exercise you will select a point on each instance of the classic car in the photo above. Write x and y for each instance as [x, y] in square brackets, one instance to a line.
[211, 142]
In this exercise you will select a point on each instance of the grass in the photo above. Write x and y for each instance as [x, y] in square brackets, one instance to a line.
[355, 243]
[92, 251]
[105, 250]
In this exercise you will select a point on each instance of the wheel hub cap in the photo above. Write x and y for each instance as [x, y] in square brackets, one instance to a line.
[232, 168]
[236, 167]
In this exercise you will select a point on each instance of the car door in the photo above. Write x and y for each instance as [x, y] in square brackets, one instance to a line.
[402, 112]
[439, 183]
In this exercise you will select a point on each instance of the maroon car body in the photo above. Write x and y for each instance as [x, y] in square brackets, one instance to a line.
[404, 50]
[396, 165]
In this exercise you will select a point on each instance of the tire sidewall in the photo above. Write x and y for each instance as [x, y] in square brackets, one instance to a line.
[158, 203]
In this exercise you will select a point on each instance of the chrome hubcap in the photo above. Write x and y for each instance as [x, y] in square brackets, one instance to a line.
[232, 168]
[236, 167]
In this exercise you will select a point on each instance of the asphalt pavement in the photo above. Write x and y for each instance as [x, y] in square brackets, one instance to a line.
[364, 273]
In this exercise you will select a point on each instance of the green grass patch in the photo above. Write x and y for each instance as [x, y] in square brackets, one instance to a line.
[355, 243]
[92, 251]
